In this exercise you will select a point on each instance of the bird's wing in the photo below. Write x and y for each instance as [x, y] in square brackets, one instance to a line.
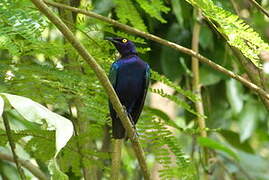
[140, 102]
[117, 128]
[113, 73]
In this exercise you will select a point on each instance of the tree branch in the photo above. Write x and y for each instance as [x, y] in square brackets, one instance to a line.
[168, 44]
[116, 159]
[12, 146]
[196, 86]
[101, 75]
[27, 164]
[260, 7]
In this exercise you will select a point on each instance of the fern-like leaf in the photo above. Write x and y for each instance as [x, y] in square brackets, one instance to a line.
[127, 13]
[155, 134]
[156, 76]
[154, 8]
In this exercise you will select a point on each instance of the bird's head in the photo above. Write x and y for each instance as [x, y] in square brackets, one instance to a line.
[123, 45]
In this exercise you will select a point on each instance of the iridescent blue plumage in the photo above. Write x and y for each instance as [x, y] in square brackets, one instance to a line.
[129, 76]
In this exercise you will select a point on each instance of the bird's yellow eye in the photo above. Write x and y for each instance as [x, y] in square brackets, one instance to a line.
[124, 40]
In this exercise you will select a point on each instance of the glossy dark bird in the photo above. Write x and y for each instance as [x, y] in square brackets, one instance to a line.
[130, 77]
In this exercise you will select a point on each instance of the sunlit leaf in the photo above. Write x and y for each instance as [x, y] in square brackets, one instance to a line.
[207, 142]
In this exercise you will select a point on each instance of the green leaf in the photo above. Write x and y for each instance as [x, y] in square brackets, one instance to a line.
[154, 8]
[207, 142]
[163, 116]
[237, 33]
[171, 67]
[233, 139]
[127, 13]
[177, 10]
[234, 93]
[209, 77]
[57, 174]
[177, 100]
[206, 39]
[35, 112]
[248, 119]
[1, 106]
[190, 95]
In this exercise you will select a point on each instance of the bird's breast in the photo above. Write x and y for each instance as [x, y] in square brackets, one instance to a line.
[130, 81]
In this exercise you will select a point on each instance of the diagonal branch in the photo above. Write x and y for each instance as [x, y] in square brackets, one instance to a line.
[164, 42]
[12, 146]
[26, 164]
[101, 75]
[260, 7]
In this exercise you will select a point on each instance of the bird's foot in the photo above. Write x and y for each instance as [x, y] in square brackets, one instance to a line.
[125, 110]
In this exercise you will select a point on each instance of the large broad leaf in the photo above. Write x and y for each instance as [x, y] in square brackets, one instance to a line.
[37, 113]
[234, 93]
[209, 77]
[177, 10]
[248, 119]
[233, 139]
[255, 165]
[171, 66]
[207, 142]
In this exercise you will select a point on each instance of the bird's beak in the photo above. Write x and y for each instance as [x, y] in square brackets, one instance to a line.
[110, 39]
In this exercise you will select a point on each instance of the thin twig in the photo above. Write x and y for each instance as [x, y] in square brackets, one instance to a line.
[116, 159]
[166, 43]
[235, 7]
[27, 164]
[101, 75]
[12, 146]
[196, 87]
[260, 7]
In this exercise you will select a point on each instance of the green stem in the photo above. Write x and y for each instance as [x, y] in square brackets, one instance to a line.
[196, 86]
[116, 159]
[12, 146]
[101, 75]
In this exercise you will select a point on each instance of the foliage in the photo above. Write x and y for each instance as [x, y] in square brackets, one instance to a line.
[165, 147]
[236, 31]
[36, 63]
[127, 12]
[154, 8]
[21, 28]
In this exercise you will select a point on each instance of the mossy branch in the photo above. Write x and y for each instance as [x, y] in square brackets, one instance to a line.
[164, 42]
[101, 75]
